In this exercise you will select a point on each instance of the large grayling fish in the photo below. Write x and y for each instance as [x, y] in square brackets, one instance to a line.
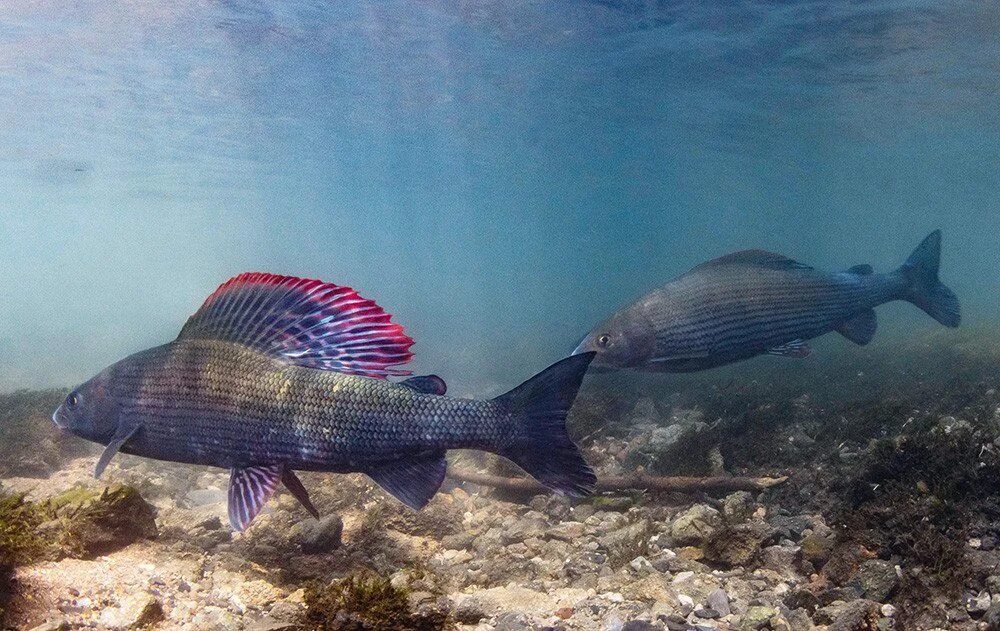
[275, 374]
[755, 302]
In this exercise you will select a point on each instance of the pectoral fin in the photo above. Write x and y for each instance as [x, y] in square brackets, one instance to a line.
[119, 439]
[414, 480]
[796, 349]
[249, 490]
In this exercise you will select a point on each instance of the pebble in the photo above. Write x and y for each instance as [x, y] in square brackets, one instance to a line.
[718, 600]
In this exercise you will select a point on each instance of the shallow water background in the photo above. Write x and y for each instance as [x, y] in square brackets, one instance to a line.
[499, 175]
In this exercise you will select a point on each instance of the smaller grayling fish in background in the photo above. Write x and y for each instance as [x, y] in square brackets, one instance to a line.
[276, 374]
[754, 302]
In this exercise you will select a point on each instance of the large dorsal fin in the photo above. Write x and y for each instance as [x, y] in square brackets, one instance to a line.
[756, 258]
[306, 322]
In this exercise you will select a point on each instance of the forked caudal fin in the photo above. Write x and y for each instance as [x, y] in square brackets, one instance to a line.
[924, 289]
[540, 444]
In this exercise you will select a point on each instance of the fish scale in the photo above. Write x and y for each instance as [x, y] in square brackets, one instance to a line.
[754, 302]
[276, 374]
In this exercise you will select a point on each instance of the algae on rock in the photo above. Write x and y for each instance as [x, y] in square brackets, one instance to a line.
[90, 522]
[368, 603]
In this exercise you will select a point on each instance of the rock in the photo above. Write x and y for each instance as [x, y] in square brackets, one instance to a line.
[757, 617]
[718, 600]
[857, 614]
[992, 617]
[653, 588]
[735, 545]
[641, 625]
[641, 565]
[286, 611]
[53, 625]
[738, 507]
[780, 559]
[468, 610]
[567, 531]
[664, 438]
[133, 612]
[458, 541]
[505, 599]
[319, 536]
[676, 622]
[977, 604]
[565, 613]
[695, 525]
[512, 621]
[524, 528]
[626, 543]
[96, 523]
[253, 595]
[877, 580]
[817, 548]
[792, 527]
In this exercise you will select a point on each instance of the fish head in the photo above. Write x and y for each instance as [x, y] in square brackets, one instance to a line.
[626, 340]
[90, 411]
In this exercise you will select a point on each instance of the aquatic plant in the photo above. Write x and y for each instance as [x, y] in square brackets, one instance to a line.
[20, 542]
[915, 500]
[365, 602]
[92, 522]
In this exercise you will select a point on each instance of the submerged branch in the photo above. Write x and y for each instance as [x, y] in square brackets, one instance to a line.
[636, 481]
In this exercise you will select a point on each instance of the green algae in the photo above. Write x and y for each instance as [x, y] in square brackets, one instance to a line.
[94, 521]
[20, 542]
[366, 602]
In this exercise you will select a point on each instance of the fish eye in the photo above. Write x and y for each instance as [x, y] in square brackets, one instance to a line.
[603, 341]
[73, 400]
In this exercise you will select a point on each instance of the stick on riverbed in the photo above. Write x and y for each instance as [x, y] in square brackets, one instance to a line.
[637, 481]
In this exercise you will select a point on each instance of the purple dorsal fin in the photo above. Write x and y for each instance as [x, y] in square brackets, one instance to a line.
[306, 322]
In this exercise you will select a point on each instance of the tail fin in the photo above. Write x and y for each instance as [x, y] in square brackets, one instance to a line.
[540, 444]
[924, 288]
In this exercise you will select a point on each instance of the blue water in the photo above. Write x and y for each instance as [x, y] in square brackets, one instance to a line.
[499, 175]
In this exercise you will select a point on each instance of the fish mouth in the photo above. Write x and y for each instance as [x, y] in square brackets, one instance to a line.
[55, 417]
[582, 347]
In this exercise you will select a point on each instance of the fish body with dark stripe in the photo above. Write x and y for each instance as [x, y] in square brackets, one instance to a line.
[754, 302]
[276, 374]
[216, 403]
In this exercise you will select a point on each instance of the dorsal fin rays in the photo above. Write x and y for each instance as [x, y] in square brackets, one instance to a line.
[756, 258]
[306, 322]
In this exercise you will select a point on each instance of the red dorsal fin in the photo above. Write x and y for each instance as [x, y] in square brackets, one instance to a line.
[306, 322]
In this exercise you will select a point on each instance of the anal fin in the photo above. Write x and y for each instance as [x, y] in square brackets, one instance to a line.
[861, 328]
[796, 349]
[413, 480]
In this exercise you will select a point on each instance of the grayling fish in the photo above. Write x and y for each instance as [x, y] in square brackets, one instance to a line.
[275, 374]
[755, 302]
